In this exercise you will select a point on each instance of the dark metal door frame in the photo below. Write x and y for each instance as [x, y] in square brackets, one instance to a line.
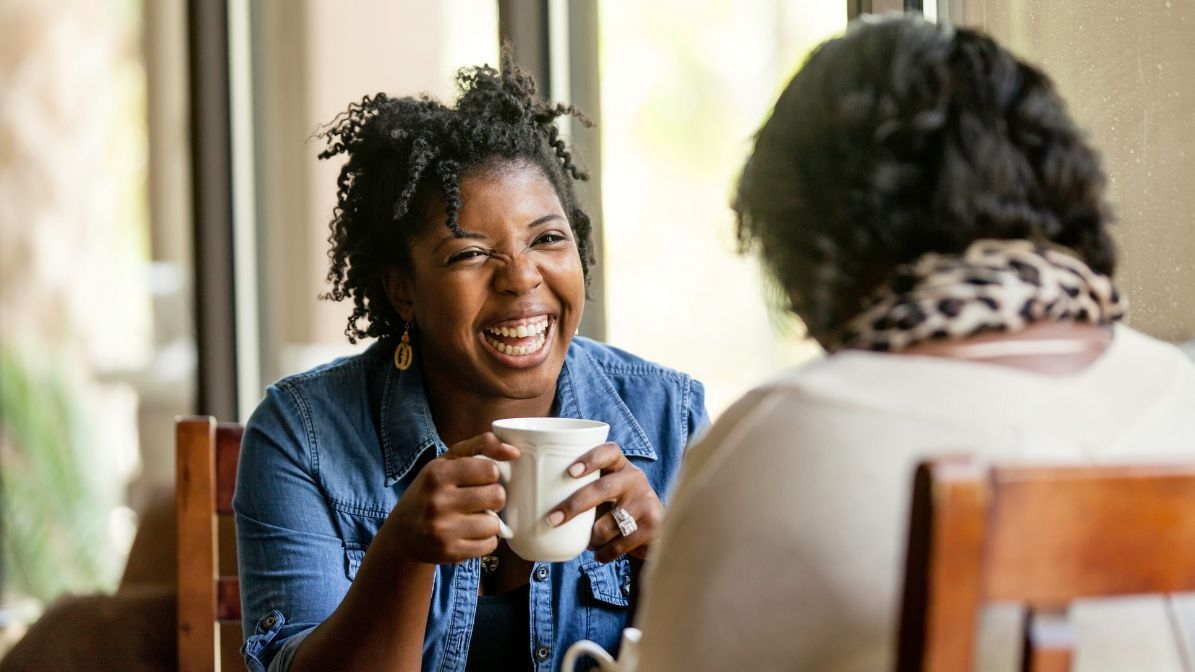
[211, 177]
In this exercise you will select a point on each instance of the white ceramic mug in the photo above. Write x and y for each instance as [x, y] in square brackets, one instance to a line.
[538, 480]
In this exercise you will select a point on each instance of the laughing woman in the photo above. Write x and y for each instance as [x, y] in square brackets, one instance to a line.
[361, 524]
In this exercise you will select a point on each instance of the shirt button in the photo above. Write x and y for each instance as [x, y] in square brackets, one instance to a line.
[542, 653]
[541, 572]
[271, 620]
[626, 589]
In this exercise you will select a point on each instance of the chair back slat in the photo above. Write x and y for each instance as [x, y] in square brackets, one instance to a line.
[228, 599]
[228, 449]
[1040, 536]
[937, 628]
[207, 454]
[1059, 534]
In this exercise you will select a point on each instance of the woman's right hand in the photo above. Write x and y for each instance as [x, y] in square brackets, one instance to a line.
[443, 517]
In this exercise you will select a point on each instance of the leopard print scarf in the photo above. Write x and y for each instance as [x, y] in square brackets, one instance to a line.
[995, 285]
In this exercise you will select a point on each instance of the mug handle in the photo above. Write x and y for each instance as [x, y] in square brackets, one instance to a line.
[504, 530]
[593, 650]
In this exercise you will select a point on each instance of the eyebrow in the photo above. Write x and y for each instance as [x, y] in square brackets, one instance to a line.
[469, 235]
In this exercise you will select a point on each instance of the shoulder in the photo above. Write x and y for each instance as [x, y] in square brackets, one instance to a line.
[1132, 344]
[634, 379]
[331, 373]
[653, 411]
[340, 382]
[616, 361]
[297, 403]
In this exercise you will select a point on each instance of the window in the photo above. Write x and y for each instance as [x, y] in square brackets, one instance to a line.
[310, 66]
[82, 310]
[685, 84]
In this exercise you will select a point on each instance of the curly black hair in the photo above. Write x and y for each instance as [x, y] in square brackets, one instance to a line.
[904, 137]
[404, 152]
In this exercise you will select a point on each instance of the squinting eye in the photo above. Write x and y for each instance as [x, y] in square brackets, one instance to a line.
[466, 255]
[549, 238]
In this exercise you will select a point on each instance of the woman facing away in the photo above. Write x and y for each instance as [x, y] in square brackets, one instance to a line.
[361, 524]
[938, 222]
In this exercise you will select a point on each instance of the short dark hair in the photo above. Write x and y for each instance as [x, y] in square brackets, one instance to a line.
[403, 152]
[904, 137]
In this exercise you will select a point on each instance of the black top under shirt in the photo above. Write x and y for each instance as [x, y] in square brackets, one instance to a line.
[501, 633]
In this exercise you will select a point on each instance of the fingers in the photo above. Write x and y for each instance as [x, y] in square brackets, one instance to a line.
[611, 487]
[483, 444]
[607, 541]
[606, 457]
[477, 527]
[444, 515]
[450, 470]
[460, 473]
[466, 536]
[622, 484]
[479, 498]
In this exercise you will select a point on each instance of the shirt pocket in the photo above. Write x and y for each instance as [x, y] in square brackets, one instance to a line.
[609, 582]
[353, 553]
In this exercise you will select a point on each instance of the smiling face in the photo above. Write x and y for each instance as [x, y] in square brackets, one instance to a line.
[497, 307]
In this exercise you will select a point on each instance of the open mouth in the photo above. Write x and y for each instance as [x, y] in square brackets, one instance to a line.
[520, 338]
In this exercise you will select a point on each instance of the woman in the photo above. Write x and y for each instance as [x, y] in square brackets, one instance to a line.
[938, 222]
[361, 526]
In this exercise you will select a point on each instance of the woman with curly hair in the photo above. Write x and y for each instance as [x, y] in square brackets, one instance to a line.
[938, 222]
[364, 534]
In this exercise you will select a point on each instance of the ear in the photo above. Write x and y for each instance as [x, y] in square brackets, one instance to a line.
[398, 290]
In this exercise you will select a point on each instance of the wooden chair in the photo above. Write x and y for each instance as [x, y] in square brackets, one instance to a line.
[1040, 536]
[209, 598]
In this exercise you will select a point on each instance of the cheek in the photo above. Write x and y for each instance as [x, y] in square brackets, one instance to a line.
[451, 308]
[570, 283]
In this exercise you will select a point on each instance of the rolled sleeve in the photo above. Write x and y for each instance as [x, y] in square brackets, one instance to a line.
[293, 565]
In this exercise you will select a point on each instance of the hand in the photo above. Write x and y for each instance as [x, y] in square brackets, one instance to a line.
[621, 484]
[443, 517]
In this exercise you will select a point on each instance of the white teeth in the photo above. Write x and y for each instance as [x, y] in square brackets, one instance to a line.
[521, 331]
[535, 329]
[518, 350]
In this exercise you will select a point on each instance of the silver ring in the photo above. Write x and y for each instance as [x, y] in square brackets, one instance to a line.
[626, 524]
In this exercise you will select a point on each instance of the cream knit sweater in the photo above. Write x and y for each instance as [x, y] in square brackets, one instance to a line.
[784, 543]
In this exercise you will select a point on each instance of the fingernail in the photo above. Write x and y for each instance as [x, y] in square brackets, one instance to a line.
[555, 518]
[576, 470]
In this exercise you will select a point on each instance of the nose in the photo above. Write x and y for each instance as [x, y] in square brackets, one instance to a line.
[517, 275]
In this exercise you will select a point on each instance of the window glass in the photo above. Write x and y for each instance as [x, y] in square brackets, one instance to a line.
[310, 65]
[78, 295]
[685, 84]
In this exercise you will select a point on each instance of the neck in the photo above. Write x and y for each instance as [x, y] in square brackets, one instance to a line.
[463, 414]
[1046, 347]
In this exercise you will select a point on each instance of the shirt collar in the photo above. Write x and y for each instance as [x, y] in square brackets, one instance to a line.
[583, 390]
[407, 429]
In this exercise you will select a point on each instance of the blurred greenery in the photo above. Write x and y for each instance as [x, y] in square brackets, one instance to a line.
[53, 530]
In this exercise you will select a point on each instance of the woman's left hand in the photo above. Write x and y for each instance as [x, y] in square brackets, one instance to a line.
[623, 485]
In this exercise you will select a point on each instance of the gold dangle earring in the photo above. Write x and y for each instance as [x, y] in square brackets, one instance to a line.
[403, 354]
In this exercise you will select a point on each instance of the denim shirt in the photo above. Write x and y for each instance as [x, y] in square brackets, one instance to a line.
[328, 453]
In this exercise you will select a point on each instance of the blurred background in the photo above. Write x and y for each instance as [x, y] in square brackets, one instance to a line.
[163, 218]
